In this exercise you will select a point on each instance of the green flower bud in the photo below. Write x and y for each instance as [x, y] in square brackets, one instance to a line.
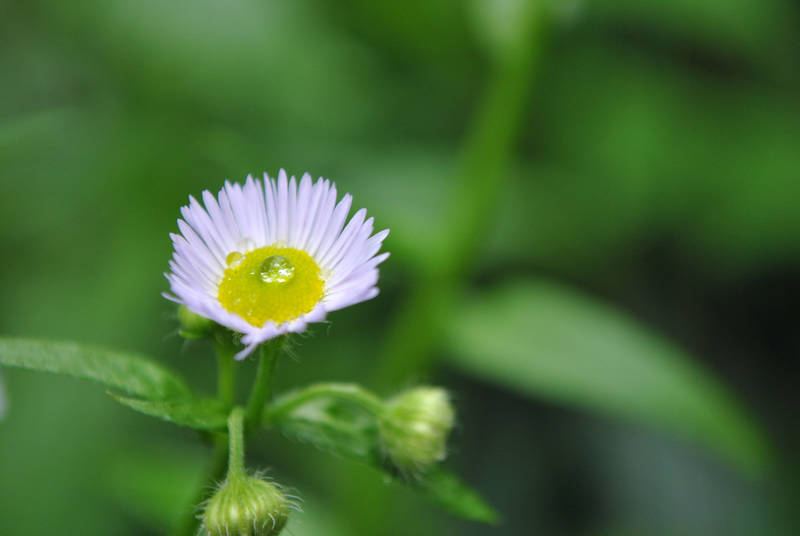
[414, 428]
[194, 326]
[246, 506]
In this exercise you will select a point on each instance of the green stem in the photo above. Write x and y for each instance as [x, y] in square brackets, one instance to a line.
[412, 340]
[342, 391]
[410, 347]
[225, 373]
[262, 385]
[216, 470]
[236, 443]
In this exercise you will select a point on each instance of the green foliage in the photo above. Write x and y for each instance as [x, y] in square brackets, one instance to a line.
[459, 499]
[666, 125]
[155, 481]
[549, 341]
[158, 392]
[197, 413]
[334, 427]
[129, 373]
[338, 424]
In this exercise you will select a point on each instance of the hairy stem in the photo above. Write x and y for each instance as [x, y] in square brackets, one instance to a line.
[236, 442]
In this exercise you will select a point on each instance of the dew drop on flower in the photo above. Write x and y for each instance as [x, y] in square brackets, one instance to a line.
[276, 269]
[234, 259]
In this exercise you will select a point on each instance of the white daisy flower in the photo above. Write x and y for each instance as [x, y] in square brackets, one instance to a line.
[268, 258]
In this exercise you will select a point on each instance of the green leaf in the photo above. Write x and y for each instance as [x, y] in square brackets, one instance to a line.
[341, 428]
[197, 413]
[456, 497]
[545, 340]
[129, 373]
[334, 427]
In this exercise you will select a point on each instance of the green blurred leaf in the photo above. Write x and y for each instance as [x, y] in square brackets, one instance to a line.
[342, 429]
[156, 482]
[500, 25]
[754, 30]
[129, 373]
[316, 518]
[3, 401]
[456, 497]
[197, 413]
[546, 340]
[651, 144]
[335, 427]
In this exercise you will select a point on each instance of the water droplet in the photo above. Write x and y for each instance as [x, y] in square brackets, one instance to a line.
[276, 269]
[246, 244]
[234, 259]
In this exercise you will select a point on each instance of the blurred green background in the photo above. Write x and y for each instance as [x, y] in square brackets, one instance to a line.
[595, 214]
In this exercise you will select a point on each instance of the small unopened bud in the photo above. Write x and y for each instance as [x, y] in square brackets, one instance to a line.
[415, 427]
[246, 506]
[193, 326]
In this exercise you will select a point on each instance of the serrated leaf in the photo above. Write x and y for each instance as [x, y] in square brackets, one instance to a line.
[197, 413]
[456, 497]
[546, 340]
[130, 373]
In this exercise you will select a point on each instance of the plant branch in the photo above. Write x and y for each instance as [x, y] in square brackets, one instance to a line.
[262, 385]
[411, 343]
[236, 442]
[226, 373]
[341, 391]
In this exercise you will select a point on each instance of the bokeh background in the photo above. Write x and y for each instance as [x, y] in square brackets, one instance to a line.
[595, 214]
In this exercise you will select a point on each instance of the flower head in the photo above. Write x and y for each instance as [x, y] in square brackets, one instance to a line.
[268, 258]
[246, 506]
[415, 427]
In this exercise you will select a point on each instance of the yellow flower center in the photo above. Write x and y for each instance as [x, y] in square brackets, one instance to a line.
[270, 283]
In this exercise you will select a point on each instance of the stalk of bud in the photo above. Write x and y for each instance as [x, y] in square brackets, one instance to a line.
[244, 505]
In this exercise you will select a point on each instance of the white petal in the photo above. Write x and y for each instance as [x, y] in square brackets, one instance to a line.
[258, 222]
[334, 226]
[352, 251]
[322, 218]
[340, 301]
[304, 194]
[221, 221]
[201, 222]
[339, 248]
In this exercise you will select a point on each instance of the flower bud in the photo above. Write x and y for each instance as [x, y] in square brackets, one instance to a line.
[414, 428]
[246, 506]
[193, 326]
